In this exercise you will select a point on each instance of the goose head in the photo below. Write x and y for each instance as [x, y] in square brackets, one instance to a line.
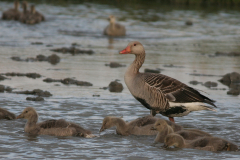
[107, 123]
[133, 47]
[174, 140]
[160, 125]
[16, 4]
[33, 10]
[29, 113]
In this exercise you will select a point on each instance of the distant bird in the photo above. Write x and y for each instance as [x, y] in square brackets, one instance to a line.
[34, 17]
[114, 29]
[25, 14]
[4, 114]
[139, 126]
[12, 14]
[160, 93]
[51, 127]
[164, 129]
[204, 143]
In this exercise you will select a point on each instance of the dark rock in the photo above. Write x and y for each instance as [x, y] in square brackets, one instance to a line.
[49, 80]
[37, 43]
[195, 82]
[115, 65]
[49, 45]
[41, 57]
[229, 78]
[53, 59]
[72, 81]
[8, 89]
[115, 86]
[231, 54]
[210, 84]
[2, 88]
[234, 92]
[35, 98]
[189, 23]
[96, 95]
[29, 75]
[37, 92]
[33, 75]
[172, 66]
[16, 58]
[146, 70]
[104, 88]
[207, 75]
[2, 78]
[72, 50]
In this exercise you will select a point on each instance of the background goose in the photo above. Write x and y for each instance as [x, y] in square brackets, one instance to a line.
[114, 29]
[12, 14]
[160, 93]
[204, 143]
[139, 126]
[33, 17]
[25, 14]
[51, 127]
[4, 114]
[164, 129]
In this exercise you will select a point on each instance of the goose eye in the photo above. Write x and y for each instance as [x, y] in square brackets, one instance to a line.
[26, 112]
[135, 44]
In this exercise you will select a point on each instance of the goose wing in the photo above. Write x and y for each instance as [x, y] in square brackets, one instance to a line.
[173, 90]
[53, 123]
[143, 121]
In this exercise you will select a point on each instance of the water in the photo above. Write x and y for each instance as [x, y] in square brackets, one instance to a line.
[166, 40]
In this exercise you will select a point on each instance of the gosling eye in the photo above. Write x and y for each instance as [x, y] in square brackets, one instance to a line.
[159, 124]
[26, 112]
[135, 44]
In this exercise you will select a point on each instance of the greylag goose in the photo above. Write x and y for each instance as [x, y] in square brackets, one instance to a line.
[139, 126]
[160, 93]
[12, 14]
[25, 14]
[51, 127]
[164, 129]
[4, 114]
[114, 29]
[203, 143]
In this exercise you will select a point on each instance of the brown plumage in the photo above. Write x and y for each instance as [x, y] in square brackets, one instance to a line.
[203, 143]
[139, 126]
[164, 129]
[160, 93]
[51, 127]
[4, 114]
[12, 14]
[114, 29]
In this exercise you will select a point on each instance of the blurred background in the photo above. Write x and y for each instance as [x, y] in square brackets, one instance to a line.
[194, 41]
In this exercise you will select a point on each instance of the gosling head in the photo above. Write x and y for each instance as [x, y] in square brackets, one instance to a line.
[174, 140]
[159, 125]
[133, 47]
[111, 19]
[107, 123]
[33, 10]
[28, 113]
[16, 4]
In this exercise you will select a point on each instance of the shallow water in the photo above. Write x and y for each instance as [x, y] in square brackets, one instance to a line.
[166, 40]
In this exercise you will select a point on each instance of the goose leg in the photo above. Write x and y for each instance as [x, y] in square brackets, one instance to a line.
[171, 119]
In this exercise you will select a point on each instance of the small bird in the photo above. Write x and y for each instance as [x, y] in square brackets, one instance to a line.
[12, 14]
[114, 29]
[160, 93]
[51, 127]
[204, 143]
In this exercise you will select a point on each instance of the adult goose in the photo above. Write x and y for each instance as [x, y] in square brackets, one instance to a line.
[203, 143]
[12, 14]
[4, 114]
[114, 29]
[51, 127]
[164, 129]
[160, 93]
[139, 126]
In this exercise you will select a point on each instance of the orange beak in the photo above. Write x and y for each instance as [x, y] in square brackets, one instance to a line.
[126, 50]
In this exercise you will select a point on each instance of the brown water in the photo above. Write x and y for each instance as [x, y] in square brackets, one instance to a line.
[166, 40]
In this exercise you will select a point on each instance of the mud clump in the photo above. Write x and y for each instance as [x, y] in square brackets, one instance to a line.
[195, 82]
[2, 78]
[172, 66]
[37, 43]
[188, 23]
[37, 92]
[72, 50]
[68, 81]
[5, 89]
[146, 70]
[115, 65]
[210, 84]
[232, 80]
[35, 99]
[115, 86]
[231, 54]
[29, 75]
[53, 59]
